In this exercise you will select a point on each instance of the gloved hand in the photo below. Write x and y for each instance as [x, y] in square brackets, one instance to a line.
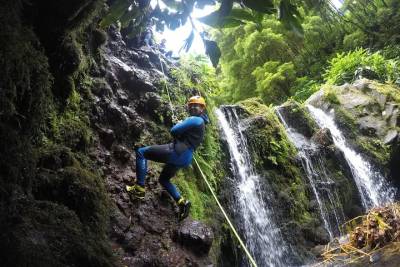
[175, 120]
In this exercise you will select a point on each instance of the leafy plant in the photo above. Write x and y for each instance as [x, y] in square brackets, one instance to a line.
[303, 89]
[343, 67]
[274, 81]
[134, 14]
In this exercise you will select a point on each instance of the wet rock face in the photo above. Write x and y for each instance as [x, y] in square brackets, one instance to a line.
[107, 137]
[126, 111]
[323, 137]
[368, 113]
[297, 117]
[195, 236]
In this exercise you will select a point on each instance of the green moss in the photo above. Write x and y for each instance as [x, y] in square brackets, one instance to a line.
[71, 127]
[376, 148]
[330, 95]
[58, 212]
[390, 90]
[270, 138]
[346, 122]
[48, 234]
[273, 155]
[190, 190]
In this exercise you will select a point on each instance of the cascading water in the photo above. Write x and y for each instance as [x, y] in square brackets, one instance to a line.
[371, 184]
[326, 195]
[261, 234]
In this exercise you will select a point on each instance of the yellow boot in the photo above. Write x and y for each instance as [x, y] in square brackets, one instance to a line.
[136, 191]
[184, 208]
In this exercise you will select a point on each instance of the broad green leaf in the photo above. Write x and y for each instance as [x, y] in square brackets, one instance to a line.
[241, 14]
[211, 19]
[290, 16]
[212, 51]
[188, 42]
[263, 6]
[229, 22]
[116, 11]
[226, 22]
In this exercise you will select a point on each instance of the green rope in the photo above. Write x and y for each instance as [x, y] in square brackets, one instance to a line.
[252, 261]
[174, 118]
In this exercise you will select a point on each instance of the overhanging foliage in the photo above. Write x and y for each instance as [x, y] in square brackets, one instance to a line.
[136, 13]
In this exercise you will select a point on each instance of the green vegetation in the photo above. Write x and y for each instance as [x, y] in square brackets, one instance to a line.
[134, 16]
[330, 95]
[343, 67]
[50, 187]
[48, 181]
[273, 152]
[266, 60]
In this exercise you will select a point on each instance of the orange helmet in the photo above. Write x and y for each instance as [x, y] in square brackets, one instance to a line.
[197, 100]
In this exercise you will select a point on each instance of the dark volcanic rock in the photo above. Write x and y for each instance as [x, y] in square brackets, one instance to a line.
[296, 116]
[122, 154]
[323, 137]
[107, 137]
[101, 88]
[195, 236]
[127, 113]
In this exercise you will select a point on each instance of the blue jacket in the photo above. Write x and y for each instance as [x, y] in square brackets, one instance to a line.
[191, 131]
[188, 135]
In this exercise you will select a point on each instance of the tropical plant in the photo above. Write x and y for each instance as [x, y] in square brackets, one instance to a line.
[135, 14]
[274, 81]
[344, 66]
[304, 87]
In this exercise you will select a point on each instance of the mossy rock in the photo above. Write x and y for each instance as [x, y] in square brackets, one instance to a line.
[54, 157]
[41, 233]
[78, 189]
[297, 116]
[274, 158]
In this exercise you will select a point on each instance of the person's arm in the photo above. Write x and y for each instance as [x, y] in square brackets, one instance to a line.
[183, 126]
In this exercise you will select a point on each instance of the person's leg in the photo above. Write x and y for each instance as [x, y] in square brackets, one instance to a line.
[159, 153]
[141, 165]
[147, 39]
[167, 173]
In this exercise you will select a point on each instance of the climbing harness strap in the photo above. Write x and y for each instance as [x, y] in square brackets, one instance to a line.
[250, 257]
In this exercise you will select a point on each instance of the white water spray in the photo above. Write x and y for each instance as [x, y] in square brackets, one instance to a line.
[262, 236]
[372, 186]
[316, 174]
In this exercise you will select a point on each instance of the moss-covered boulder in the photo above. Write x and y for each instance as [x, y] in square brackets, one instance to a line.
[43, 233]
[329, 162]
[368, 113]
[274, 158]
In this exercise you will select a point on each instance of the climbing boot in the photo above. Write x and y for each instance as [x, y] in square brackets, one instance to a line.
[136, 191]
[184, 208]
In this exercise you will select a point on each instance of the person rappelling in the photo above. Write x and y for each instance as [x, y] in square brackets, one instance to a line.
[188, 135]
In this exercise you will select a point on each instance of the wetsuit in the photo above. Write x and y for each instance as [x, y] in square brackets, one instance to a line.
[188, 135]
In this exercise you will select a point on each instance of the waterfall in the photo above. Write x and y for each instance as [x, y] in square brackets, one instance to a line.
[261, 234]
[371, 184]
[322, 186]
